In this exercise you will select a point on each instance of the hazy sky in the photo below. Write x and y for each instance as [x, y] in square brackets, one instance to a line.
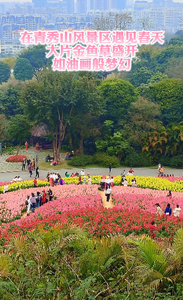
[31, 0]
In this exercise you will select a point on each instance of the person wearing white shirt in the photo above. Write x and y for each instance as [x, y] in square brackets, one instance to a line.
[125, 183]
[5, 188]
[176, 211]
[89, 180]
[28, 205]
[82, 173]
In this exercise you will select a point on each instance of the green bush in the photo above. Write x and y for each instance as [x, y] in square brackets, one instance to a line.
[101, 159]
[104, 160]
[81, 161]
[176, 162]
[138, 160]
[164, 161]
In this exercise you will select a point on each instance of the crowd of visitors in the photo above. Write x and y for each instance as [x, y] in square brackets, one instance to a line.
[168, 209]
[37, 200]
[31, 166]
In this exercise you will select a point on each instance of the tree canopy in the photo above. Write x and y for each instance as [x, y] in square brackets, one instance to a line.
[23, 69]
[4, 72]
[55, 98]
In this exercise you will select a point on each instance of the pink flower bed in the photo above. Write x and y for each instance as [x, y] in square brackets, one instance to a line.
[81, 206]
[145, 199]
[12, 203]
[172, 178]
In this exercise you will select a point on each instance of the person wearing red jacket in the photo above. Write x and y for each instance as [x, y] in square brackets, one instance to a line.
[43, 201]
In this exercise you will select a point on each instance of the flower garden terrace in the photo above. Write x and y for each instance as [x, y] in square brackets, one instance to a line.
[133, 211]
[158, 183]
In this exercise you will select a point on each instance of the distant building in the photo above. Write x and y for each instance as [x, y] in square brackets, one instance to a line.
[11, 47]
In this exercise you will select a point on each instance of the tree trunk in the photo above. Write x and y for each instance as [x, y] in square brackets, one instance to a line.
[18, 149]
[70, 141]
[57, 142]
[81, 149]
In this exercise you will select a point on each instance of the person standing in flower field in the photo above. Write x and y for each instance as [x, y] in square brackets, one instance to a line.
[108, 192]
[168, 210]
[28, 204]
[176, 211]
[159, 210]
[89, 180]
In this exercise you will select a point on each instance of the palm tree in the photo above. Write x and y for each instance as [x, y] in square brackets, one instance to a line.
[153, 265]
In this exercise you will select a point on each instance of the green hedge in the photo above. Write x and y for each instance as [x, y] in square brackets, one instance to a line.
[138, 160]
[176, 162]
[101, 159]
[164, 161]
[104, 160]
[81, 161]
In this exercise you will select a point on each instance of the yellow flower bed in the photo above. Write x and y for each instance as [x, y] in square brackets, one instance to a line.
[23, 185]
[142, 182]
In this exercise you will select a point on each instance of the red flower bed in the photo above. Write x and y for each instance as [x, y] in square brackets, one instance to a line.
[16, 158]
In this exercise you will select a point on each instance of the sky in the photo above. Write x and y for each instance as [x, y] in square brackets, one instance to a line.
[31, 1]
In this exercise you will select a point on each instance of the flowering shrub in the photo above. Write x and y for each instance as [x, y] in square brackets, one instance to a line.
[16, 158]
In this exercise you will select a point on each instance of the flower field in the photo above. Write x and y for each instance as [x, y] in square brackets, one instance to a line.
[82, 206]
[155, 183]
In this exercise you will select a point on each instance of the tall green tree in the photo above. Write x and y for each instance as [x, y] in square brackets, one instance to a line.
[169, 94]
[4, 72]
[118, 94]
[18, 129]
[9, 102]
[23, 69]
[143, 117]
[55, 98]
[37, 58]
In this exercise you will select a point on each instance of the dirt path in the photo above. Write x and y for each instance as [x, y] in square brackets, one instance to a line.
[105, 203]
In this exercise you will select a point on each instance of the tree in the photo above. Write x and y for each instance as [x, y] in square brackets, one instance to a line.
[55, 98]
[37, 58]
[4, 72]
[23, 69]
[143, 117]
[118, 95]
[9, 101]
[113, 143]
[85, 124]
[169, 94]
[174, 68]
[141, 75]
[3, 126]
[10, 61]
[18, 129]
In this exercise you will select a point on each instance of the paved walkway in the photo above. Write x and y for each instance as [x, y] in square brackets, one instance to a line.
[8, 176]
